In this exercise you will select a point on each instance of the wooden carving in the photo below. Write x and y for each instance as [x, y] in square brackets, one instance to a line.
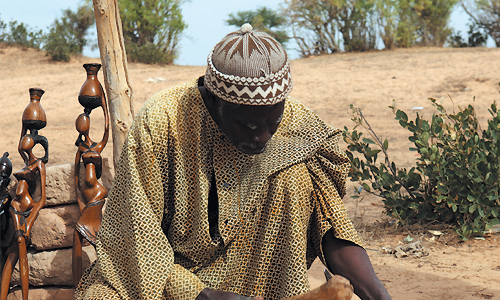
[5, 198]
[90, 193]
[23, 209]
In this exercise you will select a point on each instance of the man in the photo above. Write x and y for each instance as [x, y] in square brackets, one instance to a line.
[206, 205]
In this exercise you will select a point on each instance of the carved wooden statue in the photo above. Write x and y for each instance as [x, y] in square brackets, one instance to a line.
[90, 193]
[23, 209]
[5, 198]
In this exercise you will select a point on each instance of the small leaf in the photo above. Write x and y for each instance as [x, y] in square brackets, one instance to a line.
[480, 211]
[368, 141]
[425, 137]
[386, 144]
[372, 153]
[442, 189]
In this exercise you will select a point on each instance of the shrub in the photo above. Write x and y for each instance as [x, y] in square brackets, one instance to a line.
[67, 34]
[486, 14]
[316, 23]
[3, 32]
[264, 19]
[456, 179]
[152, 29]
[79, 22]
[476, 38]
[61, 42]
[22, 35]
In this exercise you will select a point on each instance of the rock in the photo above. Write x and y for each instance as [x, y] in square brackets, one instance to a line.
[52, 267]
[414, 250]
[54, 227]
[49, 293]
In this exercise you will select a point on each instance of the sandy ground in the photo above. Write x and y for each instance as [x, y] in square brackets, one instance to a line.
[328, 85]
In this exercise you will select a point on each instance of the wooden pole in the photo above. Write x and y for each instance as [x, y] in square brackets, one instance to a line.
[114, 61]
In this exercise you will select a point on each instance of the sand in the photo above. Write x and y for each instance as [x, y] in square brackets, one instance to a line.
[328, 85]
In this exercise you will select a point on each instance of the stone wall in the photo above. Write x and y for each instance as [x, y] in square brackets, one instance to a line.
[50, 252]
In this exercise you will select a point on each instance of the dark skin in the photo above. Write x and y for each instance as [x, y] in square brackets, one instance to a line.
[249, 128]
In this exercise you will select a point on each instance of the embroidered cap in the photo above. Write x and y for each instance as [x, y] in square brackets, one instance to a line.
[249, 67]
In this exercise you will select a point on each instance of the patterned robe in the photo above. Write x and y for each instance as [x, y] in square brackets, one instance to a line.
[274, 208]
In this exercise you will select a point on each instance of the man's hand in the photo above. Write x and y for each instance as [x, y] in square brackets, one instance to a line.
[209, 294]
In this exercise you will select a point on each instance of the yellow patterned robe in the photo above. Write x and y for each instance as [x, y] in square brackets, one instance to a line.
[274, 208]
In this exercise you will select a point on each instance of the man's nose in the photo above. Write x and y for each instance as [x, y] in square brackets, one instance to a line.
[262, 136]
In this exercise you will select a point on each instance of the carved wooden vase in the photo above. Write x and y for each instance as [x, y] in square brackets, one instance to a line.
[90, 95]
[34, 117]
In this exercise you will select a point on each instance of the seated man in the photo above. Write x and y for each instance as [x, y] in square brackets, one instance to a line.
[206, 205]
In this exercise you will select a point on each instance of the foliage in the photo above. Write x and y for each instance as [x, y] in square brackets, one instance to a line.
[406, 23]
[388, 19]
[152, 29]
[316, 23]
[486, 14]
[319, 26]
[79, 22]
[356, 23]
[61, 42]
[67, 34]
[313, 25]
[476, 38]
[3, 31]
[432, 19]
[22, 35]
[456, 179]
[456, 40]
[263, 19]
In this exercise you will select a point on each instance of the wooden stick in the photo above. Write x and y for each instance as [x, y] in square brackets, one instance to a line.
[114, 61]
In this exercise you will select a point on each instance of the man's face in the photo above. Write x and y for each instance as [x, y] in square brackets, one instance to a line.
[249, 127]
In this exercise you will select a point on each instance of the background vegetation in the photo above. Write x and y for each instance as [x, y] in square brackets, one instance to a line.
[456, 179]
[66, 36]
[263, 19]
[153, 28]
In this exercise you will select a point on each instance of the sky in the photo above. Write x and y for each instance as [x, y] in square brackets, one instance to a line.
[206, 22]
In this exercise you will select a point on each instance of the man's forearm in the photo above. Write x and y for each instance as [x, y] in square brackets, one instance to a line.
[351, 261]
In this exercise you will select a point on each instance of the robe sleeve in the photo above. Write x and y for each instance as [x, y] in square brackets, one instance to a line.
[135, 259]
[328, 169]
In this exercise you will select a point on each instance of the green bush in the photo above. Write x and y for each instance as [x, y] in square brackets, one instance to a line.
[477, 38]
[315, 25]
[264, 19]
[61, 42]
[3, 32]
[486, 15]
[456, 179]
[67, 34]
[149, 53]
[152, 29]
[22, 35]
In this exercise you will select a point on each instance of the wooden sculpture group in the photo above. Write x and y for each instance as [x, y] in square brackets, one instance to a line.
[18, 213]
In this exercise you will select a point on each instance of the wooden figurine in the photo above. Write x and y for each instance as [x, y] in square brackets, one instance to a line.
[23, 209]
[5, 198]
[90, 193]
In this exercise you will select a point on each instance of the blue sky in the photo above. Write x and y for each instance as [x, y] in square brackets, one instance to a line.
[206, 22]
